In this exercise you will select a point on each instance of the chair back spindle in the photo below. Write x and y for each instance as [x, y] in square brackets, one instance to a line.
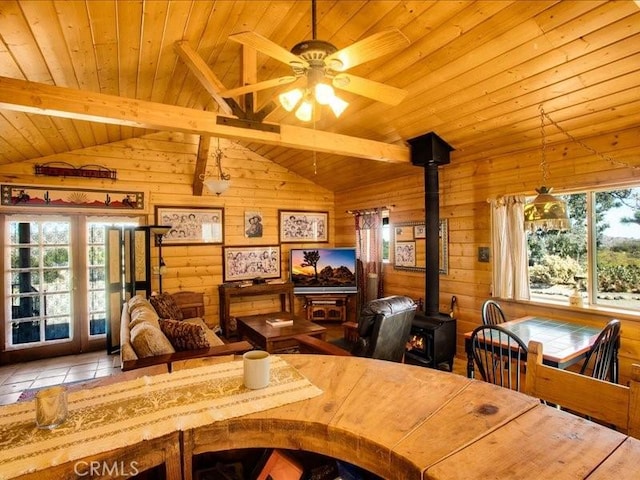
[492, 313]
[499, 355]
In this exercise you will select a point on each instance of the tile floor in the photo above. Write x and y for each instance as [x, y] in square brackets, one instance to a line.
[16, 378]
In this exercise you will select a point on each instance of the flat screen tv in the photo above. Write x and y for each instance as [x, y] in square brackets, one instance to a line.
[323, 270]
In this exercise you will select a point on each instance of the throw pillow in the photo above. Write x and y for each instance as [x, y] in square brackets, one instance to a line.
[184, 335]
[149, 341]
[166, 306]
[213, 339]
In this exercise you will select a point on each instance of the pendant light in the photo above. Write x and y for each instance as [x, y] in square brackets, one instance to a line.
[220, 184]
[545, 212]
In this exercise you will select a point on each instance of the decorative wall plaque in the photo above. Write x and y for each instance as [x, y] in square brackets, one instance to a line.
[29, 196]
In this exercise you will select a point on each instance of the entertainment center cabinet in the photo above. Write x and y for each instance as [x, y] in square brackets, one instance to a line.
[326, 307]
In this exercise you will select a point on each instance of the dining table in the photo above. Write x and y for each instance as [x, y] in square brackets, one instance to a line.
[395, 420]
[564, 343]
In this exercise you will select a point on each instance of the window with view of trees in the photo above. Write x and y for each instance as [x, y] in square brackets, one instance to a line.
[599, 256]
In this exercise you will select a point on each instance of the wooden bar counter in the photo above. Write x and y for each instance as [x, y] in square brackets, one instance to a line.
[398, 421]
[402, 422]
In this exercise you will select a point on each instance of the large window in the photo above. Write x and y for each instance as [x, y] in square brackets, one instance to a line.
[598, 258]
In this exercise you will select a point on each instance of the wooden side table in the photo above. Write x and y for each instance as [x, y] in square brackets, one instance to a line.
[228, 291]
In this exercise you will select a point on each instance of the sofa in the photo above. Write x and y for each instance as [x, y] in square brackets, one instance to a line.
[167, 329]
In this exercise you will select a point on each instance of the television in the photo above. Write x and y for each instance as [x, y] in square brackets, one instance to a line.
[323, 270]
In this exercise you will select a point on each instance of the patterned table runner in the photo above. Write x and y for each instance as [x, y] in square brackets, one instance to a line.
[122, 414]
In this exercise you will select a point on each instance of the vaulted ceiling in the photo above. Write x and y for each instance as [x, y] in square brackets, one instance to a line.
[476, 73]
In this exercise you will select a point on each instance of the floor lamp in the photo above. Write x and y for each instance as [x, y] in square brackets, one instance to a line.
[158, 231]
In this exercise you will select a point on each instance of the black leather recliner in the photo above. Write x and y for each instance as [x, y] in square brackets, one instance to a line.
[384, 327]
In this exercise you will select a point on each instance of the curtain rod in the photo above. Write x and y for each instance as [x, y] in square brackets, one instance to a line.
[370, 210]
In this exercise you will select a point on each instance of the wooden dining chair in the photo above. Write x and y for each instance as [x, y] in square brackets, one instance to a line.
[608, 403]
[601, 361]
[499, 356]
[492, 313]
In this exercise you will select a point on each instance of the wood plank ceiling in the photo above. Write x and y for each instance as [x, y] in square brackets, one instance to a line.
[476, 71]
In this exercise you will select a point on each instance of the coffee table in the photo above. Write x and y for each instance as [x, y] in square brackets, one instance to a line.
[275, 339]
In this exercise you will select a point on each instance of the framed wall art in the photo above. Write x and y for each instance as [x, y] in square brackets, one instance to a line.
[298, 226]
[245, 263]
[412, 237]
[191, 225]
[405, 254]
[253, 224]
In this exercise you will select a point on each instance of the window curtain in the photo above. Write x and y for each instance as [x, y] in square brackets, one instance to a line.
[509, 244]
[369, 255]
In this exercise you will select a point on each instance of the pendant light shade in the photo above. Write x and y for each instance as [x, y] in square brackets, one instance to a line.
[546, 212]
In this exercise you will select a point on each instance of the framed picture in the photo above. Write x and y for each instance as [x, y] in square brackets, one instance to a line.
[405, 254]
[253, 224]
[419, 231]
[302, 226]
[245, 263]
[191, 225]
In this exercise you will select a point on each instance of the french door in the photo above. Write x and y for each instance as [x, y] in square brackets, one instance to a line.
[55, 299]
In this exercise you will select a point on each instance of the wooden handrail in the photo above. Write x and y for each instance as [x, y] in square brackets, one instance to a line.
[613, 404]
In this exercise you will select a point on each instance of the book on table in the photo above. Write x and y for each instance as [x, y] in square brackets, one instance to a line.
[279, 322]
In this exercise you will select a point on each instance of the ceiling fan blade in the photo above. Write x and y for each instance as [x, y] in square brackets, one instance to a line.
[256, 87]
[266, 46]
[369, 88]
[374, 46]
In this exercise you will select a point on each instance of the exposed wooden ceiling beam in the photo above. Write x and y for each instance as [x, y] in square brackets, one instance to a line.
[201, 164]
[38, 98]
[203, 73]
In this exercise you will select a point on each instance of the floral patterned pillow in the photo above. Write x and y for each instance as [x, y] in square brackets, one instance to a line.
[184, 335]
[166, 306]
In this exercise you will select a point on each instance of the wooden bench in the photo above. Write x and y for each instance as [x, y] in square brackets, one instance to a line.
[609, 403]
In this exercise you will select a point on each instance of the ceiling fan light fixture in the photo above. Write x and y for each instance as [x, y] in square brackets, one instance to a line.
[304, 112]
[290, 99]
[338, 106]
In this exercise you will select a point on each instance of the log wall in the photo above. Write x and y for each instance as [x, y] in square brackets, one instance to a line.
[465, 186]
[162, 165]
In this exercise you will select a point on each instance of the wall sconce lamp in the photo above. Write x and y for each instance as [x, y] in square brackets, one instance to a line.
[220, 184]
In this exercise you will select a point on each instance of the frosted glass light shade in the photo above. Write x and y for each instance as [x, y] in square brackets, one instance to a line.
[305, 111]
[290, 99]
[338, 106]
[324, 93]
[217, 186]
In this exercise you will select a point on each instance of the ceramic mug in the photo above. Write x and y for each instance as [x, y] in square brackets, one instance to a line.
[51, 407]
[256, 369]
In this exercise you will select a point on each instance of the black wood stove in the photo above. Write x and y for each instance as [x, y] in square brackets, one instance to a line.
[433, 334]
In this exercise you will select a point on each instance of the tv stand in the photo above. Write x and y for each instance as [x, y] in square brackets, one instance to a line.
[327, 307]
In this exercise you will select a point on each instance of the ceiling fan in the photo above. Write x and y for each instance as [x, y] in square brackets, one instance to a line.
[318, 67]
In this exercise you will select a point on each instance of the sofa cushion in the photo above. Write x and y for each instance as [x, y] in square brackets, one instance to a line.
[148, 341]
[166, 306]
[213, 339]
[144, 314]
[137, 301]
[184, 335]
